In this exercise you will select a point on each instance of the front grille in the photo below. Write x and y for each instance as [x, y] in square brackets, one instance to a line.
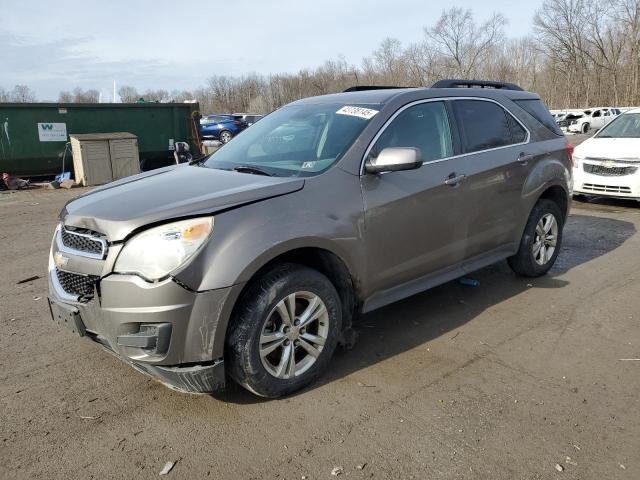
[76, 284]
[605, 188]
[82, 242]
[609, 171]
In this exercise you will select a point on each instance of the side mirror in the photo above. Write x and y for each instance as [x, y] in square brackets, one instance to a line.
[394, 160]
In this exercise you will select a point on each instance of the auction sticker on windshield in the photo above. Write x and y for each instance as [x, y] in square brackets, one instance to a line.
[361, 112]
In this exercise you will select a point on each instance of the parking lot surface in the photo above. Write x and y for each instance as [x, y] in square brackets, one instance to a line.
[513, 379]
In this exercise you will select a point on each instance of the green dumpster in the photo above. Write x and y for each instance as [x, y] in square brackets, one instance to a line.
[33, 136]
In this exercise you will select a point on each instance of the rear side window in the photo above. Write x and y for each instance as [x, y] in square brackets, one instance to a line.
[485, 125]
[424, 126]
[538, 111]
[518, 133]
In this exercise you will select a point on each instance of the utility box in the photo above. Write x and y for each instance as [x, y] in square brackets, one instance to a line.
[100, 158]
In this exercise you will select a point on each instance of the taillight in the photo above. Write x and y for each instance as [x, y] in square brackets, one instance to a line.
[570, 149]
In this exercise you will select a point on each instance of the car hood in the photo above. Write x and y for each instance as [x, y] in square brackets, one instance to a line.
[120, 207]
[609, 148]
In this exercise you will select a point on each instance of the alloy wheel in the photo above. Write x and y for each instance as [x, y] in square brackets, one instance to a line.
[294, 334]
[546, 238]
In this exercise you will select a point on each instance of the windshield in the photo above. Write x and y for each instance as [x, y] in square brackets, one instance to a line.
[625, 126]
[297, 140]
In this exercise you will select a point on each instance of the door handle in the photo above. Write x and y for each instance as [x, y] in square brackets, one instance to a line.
[524, 158]
[453, 180]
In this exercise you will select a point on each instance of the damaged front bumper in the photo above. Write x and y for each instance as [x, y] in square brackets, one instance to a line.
[162, 329]
[206, 378]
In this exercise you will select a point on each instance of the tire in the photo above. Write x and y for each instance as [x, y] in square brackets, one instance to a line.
[225, 136]
[585, 128]
[527, 261]
[261, 316]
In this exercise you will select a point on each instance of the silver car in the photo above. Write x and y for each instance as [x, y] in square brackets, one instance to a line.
[253, 263]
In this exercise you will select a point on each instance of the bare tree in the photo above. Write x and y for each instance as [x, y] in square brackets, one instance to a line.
[85, 96]
[128, 94]
[65, 97]
[627, 15]
[156, 95]
[561, 30]
[461, 43]
[22, 94]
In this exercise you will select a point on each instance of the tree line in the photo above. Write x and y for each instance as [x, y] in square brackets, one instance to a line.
[581, 53]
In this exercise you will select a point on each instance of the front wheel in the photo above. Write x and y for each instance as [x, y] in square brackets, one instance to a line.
[585, 128]
[225, 136]
[285, 331]
[541, 240]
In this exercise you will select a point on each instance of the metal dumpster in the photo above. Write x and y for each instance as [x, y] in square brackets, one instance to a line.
[33, 136]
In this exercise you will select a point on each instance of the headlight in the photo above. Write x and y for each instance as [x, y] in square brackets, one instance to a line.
[577, 160]
[155, 253]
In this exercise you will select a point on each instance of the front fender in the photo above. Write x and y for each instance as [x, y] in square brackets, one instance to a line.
[247, 238]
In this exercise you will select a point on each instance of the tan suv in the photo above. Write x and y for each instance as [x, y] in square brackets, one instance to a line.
[252, 263]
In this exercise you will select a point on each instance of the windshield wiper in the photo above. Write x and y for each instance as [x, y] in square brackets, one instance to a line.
[251, 169]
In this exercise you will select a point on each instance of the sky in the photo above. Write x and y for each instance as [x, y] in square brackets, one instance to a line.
[59, 45]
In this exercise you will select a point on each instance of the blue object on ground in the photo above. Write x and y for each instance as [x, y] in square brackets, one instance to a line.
[63, 176]
[470, 282]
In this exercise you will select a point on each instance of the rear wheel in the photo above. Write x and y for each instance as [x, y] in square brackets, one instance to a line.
[540, 241]
[225, 136]
[285, 331]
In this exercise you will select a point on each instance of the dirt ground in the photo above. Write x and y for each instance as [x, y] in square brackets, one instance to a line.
[513, 379]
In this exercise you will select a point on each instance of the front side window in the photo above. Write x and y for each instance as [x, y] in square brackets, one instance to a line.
[486, 125]
[296, 140]
[424, 126]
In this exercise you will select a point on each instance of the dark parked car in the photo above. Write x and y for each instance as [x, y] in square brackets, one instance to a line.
[252, 263]
[221, 127]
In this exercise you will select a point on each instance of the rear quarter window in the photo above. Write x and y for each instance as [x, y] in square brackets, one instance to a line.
[537, 110]
[486, 125]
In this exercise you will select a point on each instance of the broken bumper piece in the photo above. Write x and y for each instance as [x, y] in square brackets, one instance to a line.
[207, 378]
[189, 379]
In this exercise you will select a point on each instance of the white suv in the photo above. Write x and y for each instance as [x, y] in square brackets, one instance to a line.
[593, 118]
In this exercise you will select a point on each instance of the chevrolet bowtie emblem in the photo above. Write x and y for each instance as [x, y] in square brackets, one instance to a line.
[60, 260]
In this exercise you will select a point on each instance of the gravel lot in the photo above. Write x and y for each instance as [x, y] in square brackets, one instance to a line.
[513, 379]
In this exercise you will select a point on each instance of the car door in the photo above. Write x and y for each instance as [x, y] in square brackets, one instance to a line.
[496, 164]
[413, 222]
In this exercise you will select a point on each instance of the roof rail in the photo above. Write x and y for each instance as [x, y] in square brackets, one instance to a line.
[453, 83]
[362, 88]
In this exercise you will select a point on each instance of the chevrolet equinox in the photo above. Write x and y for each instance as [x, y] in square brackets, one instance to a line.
[252, 263]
